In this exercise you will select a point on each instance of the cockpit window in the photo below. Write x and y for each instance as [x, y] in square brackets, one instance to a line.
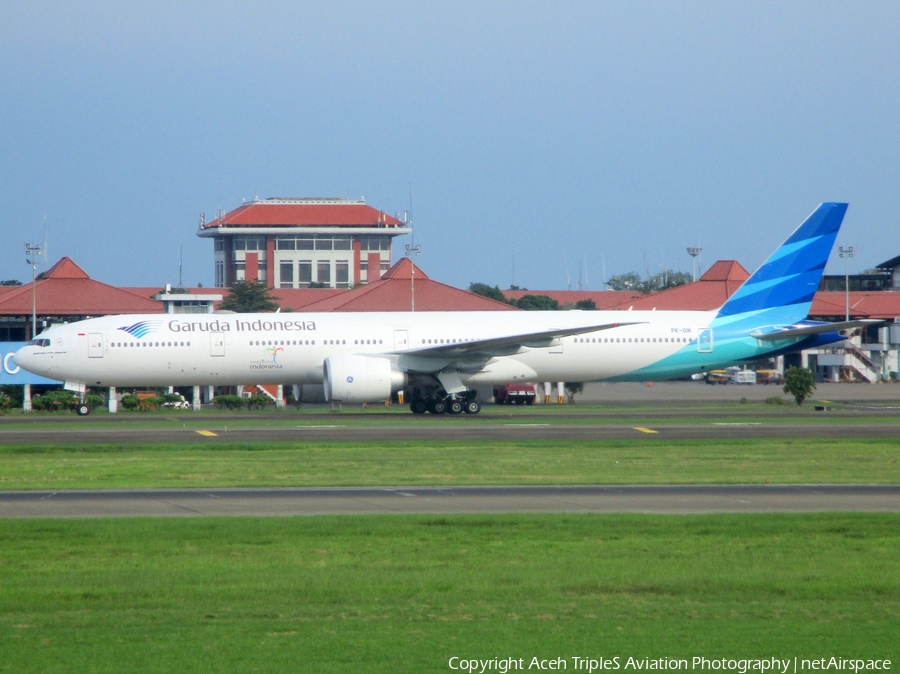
[39, 342]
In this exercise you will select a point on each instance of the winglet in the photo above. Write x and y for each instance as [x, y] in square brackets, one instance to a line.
[790, 277]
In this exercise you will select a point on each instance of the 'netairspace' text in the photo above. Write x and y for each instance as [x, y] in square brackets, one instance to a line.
[739, 666]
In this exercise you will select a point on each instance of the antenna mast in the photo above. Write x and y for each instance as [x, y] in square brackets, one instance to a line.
[411, 249]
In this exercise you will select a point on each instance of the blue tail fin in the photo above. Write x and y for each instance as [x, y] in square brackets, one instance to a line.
[787, 281]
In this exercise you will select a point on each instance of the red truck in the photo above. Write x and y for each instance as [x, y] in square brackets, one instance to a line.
[515, 394]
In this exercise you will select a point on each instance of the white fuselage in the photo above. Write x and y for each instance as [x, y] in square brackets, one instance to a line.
[290, 348]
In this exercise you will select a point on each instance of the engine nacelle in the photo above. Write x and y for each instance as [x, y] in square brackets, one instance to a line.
[361, 379]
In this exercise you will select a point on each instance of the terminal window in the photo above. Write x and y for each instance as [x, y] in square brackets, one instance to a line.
[286, 275]
[323, 272]
[304, 276]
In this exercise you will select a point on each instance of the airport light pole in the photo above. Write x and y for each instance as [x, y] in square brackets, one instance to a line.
[32, 251]
[846, 253]
[694, 252]
[410, 251]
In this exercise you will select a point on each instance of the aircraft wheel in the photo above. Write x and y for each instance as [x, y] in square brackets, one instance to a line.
[455, 407]
[83, 410]
[418, 406]
[472, 407]
[438, 407]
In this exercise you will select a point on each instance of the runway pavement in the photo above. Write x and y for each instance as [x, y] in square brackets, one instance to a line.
[854, 420]
[461, 429]
[436, 500]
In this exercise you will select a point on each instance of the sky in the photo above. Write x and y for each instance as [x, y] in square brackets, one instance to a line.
[537, 144]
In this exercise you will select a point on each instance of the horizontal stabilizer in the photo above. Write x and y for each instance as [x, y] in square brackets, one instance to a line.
[816, 329]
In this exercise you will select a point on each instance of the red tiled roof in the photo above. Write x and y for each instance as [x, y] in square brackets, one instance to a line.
[65, 268]
[392, 292]
[726, 270]
[403, 269]
[286, 213]
[66, 290]
[299, 298]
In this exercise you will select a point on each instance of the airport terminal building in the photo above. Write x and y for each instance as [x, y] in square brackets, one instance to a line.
[302, 243]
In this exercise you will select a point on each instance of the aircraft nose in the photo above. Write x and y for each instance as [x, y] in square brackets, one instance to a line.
[24, 358]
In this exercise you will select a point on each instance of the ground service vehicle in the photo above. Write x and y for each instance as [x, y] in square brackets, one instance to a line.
[515, 394]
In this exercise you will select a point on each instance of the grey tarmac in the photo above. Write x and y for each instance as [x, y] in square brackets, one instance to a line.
[463, 429]
[673, 500]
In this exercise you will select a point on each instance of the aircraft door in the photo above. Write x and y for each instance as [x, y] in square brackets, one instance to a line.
[216, 344]
[704, 340]
[401, 340]
[95, 345]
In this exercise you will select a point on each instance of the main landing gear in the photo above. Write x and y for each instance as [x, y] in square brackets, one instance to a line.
[452, 404]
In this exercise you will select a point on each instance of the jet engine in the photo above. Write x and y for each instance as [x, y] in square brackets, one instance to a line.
[361, 379]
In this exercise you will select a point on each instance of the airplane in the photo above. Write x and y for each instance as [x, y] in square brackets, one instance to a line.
[438, 357]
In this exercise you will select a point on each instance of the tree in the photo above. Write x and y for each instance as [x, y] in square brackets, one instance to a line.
[629, 281]
[799, 382]
[10, 282]
[246, 297]
[572, 389]
[632, 281]
[586, 305]
[666, 279]
[537, 303]
[493, 293]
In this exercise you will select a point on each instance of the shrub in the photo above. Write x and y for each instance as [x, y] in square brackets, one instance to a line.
[93, 400]
[5, 402]
[15, 393]
[54, 400]
[228, 402]
[150, 403]
[130, 401]
[258, 401]
[774, 400]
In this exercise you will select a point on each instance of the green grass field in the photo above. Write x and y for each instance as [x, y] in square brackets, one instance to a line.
[640, 461]
[404, 594]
